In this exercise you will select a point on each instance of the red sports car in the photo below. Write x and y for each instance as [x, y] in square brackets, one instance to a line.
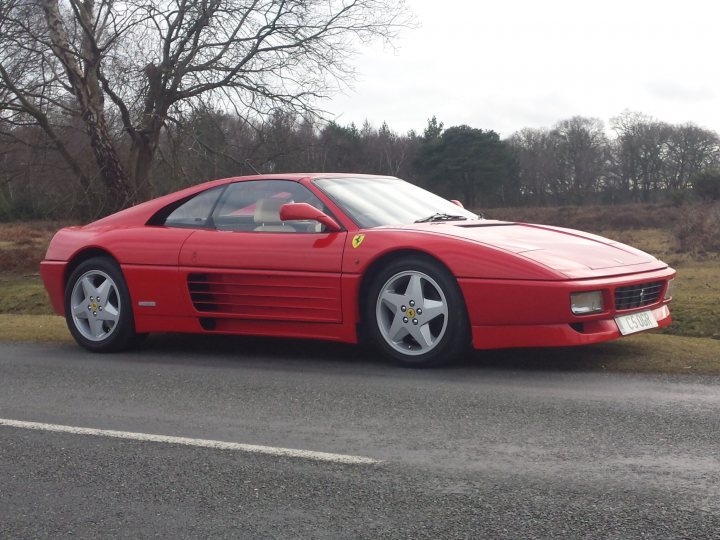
[339, 256]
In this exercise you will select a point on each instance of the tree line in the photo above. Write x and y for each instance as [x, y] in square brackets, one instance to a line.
[643, 159]
[577, 161]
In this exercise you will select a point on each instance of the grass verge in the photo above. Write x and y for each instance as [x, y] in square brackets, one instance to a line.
[33, 328]
[644, 353]
[23, 295]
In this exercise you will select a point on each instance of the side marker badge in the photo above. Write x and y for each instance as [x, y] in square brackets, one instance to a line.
[357, 240]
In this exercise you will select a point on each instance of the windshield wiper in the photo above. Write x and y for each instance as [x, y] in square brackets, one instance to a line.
[440, 217]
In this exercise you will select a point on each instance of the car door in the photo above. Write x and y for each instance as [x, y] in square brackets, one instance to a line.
[248, 264]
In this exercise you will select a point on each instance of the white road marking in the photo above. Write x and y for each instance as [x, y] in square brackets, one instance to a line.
[205, 443]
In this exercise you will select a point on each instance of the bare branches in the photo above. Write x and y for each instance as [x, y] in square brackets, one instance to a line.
[138, 59]
[27, 106]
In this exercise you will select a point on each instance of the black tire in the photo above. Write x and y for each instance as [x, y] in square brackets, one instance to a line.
[98, 309]
[394, 317]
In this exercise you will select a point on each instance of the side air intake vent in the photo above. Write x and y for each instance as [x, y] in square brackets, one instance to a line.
[201, 293]
[306, 297]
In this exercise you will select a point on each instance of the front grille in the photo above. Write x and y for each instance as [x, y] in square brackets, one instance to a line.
[635, 296]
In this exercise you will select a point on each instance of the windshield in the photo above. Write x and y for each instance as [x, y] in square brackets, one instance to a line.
[373, 202]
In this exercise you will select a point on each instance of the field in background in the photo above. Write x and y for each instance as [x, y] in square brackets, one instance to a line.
[693, 229]
[652, 228]
[22, 247]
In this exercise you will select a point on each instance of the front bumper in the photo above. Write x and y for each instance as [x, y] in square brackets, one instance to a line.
[53, 277]
[513, 313]
[554, 335]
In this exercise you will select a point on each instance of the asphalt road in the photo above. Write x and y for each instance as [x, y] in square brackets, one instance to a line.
[471, 451]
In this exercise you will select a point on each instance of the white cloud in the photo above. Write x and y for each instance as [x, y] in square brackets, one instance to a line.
[514, 64]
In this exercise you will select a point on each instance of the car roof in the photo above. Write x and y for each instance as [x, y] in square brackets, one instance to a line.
[302, 176]
[141, 213]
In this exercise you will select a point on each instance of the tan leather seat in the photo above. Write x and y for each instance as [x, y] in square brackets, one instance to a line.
[267, 216]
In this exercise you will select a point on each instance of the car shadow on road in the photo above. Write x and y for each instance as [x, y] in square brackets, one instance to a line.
[600, 357]
[318, 353]
[251, 348]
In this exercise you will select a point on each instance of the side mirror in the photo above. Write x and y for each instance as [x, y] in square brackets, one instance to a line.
[457, 203]
[304, 212]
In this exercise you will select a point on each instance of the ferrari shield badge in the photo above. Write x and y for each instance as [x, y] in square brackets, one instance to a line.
[357, 240]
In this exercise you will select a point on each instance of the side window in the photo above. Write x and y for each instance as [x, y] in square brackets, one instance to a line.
[255, 206]
[195, 213]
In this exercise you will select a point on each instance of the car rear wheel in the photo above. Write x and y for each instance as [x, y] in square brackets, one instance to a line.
[98, 309]
[417, 314]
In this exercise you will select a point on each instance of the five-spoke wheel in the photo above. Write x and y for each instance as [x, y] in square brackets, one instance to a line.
[411, 312]
[416, 313]
[97, 306]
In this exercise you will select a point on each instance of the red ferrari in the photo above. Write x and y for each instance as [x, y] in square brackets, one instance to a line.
[339, 256]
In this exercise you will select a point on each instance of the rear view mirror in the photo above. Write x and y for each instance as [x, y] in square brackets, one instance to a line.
[457, 203]
[305, 212]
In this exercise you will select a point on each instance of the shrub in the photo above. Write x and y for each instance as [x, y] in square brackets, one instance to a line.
[699, 232]
[597, 218]
[707, 185]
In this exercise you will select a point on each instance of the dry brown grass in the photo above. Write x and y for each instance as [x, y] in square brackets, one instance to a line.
[23, 245]
[674, 233]
[699, 232]
[598, 218]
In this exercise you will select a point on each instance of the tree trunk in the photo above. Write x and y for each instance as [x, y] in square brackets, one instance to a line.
[142, 154]
[90, 99]
[146, 137]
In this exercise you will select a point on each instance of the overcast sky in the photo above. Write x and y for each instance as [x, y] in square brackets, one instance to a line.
[509, 64]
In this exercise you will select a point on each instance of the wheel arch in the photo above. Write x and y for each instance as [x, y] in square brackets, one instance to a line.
[383, 260]
[86, 254]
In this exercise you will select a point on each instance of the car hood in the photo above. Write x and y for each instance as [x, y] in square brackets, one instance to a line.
[564, 250]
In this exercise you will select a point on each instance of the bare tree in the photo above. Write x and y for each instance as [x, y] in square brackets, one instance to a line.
[127, 68]
[641, 148]
[538, 169]
[690, 151]
[581, 154]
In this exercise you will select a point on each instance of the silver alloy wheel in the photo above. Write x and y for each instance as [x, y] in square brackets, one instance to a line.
[95, 304]
[411, 312]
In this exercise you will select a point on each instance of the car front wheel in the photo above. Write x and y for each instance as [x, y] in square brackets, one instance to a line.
[416, 313]
[98, 309]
